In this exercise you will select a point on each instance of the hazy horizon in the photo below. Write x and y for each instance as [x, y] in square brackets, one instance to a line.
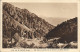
[63, 11]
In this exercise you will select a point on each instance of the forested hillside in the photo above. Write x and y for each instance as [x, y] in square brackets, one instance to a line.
[67, 31]
[23, 21]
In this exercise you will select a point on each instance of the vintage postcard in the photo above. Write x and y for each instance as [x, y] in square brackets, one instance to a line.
[41, 26]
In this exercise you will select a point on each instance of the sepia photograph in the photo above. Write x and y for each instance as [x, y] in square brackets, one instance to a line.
[39, 25]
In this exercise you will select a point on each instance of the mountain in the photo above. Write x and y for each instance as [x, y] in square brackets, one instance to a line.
[23, 22]
[67, 31]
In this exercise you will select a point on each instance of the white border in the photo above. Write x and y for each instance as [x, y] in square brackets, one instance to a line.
[41, 50]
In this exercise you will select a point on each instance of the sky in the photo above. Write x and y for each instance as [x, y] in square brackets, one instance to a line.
[54, 13]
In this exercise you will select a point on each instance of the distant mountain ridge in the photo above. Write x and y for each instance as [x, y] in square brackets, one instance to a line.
[55, 20]
[27, 24]
[66, 30]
